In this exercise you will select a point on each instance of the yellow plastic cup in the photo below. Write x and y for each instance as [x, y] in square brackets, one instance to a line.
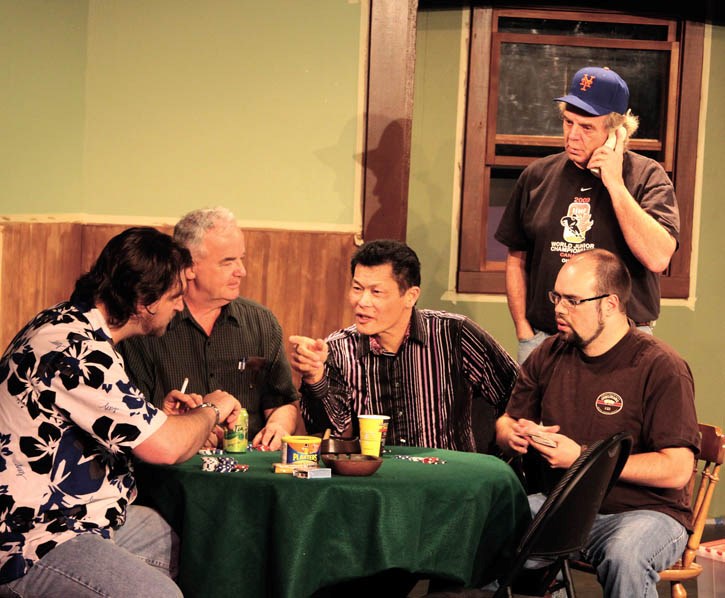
[373, 429]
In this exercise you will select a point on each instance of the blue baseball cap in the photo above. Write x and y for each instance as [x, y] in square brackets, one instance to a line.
[597, 91]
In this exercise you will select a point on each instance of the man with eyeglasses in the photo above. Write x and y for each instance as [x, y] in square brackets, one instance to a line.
[594, 194]
[600, 375]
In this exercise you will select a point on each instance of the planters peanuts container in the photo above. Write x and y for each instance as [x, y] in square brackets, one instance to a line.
[235, 441]
[300, 448]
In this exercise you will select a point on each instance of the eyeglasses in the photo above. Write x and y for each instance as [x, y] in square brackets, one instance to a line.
[556, 298]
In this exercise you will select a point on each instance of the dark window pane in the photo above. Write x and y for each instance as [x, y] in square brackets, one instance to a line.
[502, 185]
[582, 28]
[532, 75]
[528, 151]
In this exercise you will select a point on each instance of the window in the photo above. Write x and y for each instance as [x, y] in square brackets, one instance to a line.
[512, 120]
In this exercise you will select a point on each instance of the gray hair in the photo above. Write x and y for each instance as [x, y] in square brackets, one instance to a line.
[629, 121]
[190, 230]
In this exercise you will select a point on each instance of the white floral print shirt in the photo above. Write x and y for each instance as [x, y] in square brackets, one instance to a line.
[69, 418]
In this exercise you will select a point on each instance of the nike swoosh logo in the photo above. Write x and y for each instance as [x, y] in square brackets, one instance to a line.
[582, 189]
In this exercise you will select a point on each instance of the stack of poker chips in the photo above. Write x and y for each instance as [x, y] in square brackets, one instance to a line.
[219, 464]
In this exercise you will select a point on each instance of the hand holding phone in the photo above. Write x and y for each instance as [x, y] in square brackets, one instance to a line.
[611, 143]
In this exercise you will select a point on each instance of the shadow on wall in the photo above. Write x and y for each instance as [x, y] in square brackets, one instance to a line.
[386, 184]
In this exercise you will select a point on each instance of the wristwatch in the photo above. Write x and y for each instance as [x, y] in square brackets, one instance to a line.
[215, 408]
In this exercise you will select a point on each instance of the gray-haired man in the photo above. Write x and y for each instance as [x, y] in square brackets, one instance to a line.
[220, 340]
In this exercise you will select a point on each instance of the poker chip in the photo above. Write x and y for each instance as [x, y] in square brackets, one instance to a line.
[209, 463]
[210, 452]
[427, 460]
[226, 465]
[220, 464]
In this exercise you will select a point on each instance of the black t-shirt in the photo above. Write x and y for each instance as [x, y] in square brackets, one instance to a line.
[558, 210]
[641, 386]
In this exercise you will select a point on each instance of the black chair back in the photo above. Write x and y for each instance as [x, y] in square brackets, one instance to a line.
[562, 525]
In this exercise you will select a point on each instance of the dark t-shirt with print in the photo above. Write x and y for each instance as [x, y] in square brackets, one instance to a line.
[641, 386]
[558, 209]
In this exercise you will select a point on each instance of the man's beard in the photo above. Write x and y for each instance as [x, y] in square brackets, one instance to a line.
[150, 327]
[577, 340]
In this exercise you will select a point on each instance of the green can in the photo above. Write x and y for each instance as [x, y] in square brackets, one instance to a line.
[235, 441]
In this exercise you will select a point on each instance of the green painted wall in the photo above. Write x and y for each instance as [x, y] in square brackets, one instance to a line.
[243, 103]
[697, 334]
[175, 104]
[42, 95]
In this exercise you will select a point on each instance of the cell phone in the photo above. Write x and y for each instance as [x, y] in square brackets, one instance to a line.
[611, 142]
[545, 440]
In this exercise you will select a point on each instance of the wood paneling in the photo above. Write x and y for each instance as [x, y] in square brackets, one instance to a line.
[301, 276]
[39, 267]
[95, 236]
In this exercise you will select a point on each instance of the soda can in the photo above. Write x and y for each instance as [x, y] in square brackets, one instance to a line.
[235, 440]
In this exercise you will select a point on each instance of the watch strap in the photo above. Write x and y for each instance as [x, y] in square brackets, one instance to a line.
[215, 408]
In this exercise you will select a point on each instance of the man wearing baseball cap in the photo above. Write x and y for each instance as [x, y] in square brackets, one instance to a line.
[596, 194]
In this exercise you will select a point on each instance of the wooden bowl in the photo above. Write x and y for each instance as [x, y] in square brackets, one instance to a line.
[352, 464]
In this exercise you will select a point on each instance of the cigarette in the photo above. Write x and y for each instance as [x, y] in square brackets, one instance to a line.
[184, 385]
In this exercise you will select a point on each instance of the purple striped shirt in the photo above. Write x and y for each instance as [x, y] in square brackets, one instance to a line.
[426, 388]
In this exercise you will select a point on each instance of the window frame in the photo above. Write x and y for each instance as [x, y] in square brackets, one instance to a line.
[476, 274]
[670, 45]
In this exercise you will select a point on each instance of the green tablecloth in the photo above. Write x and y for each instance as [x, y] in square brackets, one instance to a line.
[258, 533]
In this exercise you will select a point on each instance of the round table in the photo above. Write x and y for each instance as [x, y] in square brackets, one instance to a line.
[257, 533]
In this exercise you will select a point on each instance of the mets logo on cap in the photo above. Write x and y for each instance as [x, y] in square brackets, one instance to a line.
[609, 403]
[586, 81]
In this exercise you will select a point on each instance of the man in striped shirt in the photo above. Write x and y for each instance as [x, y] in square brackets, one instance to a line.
[434, 373]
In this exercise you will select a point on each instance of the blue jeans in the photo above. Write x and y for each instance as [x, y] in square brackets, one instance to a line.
[629, 549]
[141, 560]
[526, 346]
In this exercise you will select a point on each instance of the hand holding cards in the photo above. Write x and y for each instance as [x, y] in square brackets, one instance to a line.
[543, 439]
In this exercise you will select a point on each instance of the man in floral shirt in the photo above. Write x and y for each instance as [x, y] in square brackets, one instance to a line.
[70, 422]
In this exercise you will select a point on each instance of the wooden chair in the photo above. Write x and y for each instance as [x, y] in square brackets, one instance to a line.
[701, 487]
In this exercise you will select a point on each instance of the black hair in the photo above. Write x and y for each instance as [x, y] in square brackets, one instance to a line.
[404, 261]
[137, 266]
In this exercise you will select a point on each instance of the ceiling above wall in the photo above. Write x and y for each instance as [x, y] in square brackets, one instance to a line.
[712, 11]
